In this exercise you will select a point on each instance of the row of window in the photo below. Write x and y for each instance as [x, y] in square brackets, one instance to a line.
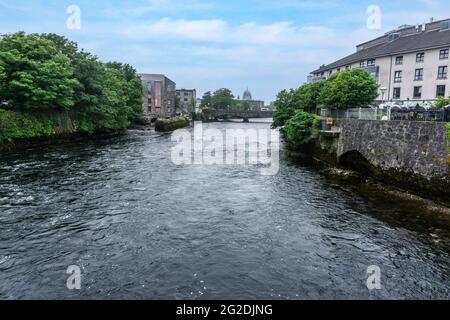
[417, 93]
[420, 57]
[418, 74]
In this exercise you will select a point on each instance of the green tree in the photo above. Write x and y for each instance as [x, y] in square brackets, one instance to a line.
[206, 103]
[222, 99]
[352, 88]
[35, 75]
[301, 129]
[286, 105]
[134, 90]
[308, 96]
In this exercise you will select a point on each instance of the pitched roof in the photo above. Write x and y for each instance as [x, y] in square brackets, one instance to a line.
[404, 44]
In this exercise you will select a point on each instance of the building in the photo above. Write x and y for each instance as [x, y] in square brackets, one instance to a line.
[410, 63]
[159, 95]
[252, 104]
[187, 100]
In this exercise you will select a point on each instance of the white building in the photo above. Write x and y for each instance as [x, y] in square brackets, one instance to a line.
[410, 63]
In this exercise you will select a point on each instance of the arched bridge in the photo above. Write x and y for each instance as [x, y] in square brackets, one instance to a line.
[245, 115]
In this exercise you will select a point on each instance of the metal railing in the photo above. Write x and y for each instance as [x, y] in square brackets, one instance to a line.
[395, 113]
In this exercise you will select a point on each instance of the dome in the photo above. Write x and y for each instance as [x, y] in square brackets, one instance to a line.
[247, 95]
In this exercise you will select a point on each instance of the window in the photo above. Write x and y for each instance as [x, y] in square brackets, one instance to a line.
[347, 68]
[442, 72]
[362, 64]
[418, 75]
[443, 54]
[398, 76]
[397, 92]
[399, 60]
[370, 62]
[440, 91]
[417, 92]
[338, 69]
[420, 57]
[445, 25]
[186, 100]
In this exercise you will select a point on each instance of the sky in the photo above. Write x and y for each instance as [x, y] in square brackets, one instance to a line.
[265, 45]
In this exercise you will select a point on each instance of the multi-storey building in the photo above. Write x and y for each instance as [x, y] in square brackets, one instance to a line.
[187, 100]
[410, 63]
[252, 104]
[159, 95]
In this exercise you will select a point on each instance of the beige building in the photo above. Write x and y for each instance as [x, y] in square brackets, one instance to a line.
[187, 100]
[410, 63]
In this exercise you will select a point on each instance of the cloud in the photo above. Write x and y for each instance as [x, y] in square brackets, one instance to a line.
[220, 31]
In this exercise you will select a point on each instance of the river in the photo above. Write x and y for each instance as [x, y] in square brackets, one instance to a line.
[140, 227]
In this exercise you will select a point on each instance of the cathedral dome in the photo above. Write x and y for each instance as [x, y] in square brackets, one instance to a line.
[247, 95]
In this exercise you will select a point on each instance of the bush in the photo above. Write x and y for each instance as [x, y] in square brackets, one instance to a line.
[441, 102]
[20, 125]
[301, 129]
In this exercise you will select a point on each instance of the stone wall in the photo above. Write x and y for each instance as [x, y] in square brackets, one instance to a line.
[418, 147]
[411, 155]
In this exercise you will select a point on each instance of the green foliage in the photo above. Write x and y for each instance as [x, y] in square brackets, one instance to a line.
[206, 103]
[47, 74]
[222, 99]
[286, 105]
[352, 88]
[289, 102]
[441, 102]
[301, 129]
[34, 75]
[18, 125]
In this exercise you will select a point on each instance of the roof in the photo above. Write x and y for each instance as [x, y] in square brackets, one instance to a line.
[408, 43]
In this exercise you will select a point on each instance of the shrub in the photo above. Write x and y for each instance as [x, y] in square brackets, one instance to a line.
[301, 129]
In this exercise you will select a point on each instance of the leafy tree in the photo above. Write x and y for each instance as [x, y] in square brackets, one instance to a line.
[133, 91]
[222, 99]
[206, 103]
[286, 105]
[301, 129]
[308, 96]
[35, 75]
[349, 89]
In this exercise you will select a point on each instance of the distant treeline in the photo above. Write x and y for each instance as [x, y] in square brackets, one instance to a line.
[49, 86]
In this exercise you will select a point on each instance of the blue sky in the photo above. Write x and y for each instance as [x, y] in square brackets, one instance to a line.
[265, 45]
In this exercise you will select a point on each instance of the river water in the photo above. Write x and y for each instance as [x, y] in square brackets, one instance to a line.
[140, 227]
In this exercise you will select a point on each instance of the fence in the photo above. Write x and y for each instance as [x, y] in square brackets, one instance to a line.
[396, 113]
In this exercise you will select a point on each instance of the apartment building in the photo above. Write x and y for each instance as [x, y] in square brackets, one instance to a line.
[410, 63]
[187, 100]
[159, 95]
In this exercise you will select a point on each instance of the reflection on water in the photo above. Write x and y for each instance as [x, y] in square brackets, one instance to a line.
[141, 227]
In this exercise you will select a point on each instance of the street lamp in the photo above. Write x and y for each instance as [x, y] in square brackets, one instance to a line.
[383, 92]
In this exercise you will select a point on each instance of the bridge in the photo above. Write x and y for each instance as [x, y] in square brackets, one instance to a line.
[245, 115]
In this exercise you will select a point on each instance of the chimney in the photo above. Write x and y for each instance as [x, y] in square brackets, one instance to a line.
[431, 20]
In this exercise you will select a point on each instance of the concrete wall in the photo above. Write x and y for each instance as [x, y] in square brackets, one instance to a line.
[417, 147]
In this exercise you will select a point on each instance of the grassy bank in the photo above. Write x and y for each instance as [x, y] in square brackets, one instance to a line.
[20, 126]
